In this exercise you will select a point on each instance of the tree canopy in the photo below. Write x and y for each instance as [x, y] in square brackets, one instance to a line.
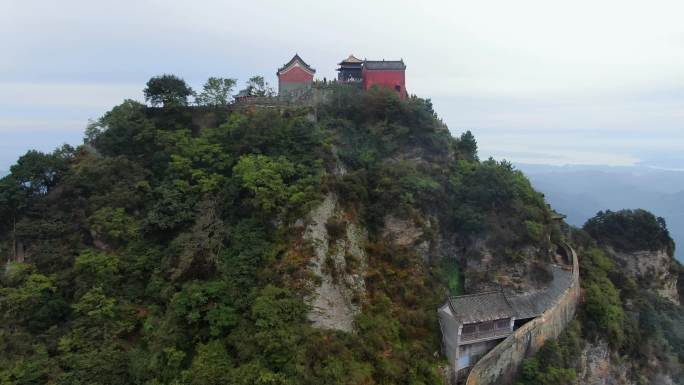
[257, 86]
[216, 92]
[160, 252]
[168, 91]
[630, 230]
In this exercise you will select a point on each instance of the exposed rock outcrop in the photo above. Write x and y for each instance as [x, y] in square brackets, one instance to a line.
[652, 269]
[405, 232]
[339, 262]
[485, 271]
[598, 365]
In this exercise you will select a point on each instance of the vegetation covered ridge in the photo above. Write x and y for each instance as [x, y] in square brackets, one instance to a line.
[623, 324]
[171, 249]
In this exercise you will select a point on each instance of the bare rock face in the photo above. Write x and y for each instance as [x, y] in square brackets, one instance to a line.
[486, 271]
[598, 366]
[652, 268]
[339, 264]
[405, 232]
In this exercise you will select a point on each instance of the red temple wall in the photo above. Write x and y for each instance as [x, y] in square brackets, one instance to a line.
[296, 74]
[386, 79]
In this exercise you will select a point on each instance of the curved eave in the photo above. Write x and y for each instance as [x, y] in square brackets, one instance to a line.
[296, 59]
[306, 69]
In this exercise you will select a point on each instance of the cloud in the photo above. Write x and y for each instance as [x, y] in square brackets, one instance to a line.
[69, 95]
[570, 76]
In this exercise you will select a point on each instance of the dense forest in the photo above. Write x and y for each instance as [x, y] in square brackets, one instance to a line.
[163, 251]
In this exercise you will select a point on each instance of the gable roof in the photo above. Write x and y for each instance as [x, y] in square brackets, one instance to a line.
[480, 307]
[384, 65]
[351, 59]
[296, 60]
[493, 305]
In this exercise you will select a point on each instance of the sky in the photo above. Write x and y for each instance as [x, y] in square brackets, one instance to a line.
[542, 82]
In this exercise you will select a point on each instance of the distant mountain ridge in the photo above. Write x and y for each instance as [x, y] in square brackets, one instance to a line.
[581, 191]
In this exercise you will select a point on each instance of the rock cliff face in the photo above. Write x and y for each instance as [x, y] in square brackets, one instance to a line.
[596, 367]
[652, 269]
[339, 263]
[486, 271]
[599, 366]
[405, 232]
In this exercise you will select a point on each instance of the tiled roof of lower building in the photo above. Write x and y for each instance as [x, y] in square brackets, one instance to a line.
[481, 307]
[495, 305]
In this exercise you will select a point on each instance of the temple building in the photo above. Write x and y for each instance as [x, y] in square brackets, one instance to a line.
[350, 70]
[385, 74]
[295, 77]
[474, 324]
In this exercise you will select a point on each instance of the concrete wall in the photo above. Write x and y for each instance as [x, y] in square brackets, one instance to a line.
[450, 329]
[501, 364]
[467, 354]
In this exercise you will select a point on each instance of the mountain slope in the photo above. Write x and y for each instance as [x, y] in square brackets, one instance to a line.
[298, 245]
[167, 251]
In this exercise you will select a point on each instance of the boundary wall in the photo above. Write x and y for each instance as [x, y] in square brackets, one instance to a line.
[501, 364]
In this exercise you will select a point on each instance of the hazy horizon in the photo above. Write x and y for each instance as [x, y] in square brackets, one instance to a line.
[573, 83]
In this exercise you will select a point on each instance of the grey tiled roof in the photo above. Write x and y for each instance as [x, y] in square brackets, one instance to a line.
[535, 303]
[298, 59]
[384, 64]
[480, 307]
[497, 304]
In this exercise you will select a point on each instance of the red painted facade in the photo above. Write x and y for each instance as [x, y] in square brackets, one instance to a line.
[295, 74]
[295, 77]
[392, 79]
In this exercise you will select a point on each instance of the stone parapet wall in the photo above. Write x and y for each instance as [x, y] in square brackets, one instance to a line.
[502, 364]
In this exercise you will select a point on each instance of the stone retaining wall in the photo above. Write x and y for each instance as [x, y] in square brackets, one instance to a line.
[502, 364]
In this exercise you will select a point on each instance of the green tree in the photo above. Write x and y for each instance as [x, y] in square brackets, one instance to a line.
[36, 173]
[277, 314]
[204, 306]
[210, 366]
[195, 160]
[257, 86]
[216, 92]
[603, 313]
[167, 90]
[113, 225]
[96, 268]
[35, 369]
[172, 206]
[466, 146]
[265, 179]
[28, 294]
[125, 130]
[630, 230]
